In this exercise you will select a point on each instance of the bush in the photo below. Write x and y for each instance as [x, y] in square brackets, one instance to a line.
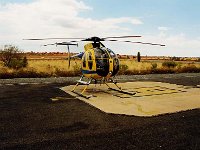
[176, 58]
[12, 57]
[169, 64]
[24, 62]
[154, 66]
[189, 69]
[16, 64]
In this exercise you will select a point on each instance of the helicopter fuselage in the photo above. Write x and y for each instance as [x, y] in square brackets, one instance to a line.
[99, 62]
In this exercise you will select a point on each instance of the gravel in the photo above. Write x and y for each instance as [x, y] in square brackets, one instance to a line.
[29, 119]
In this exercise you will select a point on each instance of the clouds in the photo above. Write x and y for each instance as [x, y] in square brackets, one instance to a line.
[62, 18]
[176, 45]
[181, 45]
[41, 16]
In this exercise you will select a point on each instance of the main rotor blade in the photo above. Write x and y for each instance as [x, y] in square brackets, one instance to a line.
[37, 39]
[47, 44]
[137, 42]
[119, 37]
[66, 43]
[95, 39]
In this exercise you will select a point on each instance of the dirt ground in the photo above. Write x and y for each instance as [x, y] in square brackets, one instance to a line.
[29, 119]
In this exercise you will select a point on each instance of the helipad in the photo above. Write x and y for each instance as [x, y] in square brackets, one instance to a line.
[151, 98]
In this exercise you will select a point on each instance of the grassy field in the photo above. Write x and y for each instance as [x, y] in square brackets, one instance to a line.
[149, 67]
[59, 68]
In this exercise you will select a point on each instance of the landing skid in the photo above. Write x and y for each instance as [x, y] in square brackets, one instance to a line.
[81, 82]
[119, 88]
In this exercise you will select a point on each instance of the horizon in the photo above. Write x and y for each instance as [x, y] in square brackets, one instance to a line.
[59, 52]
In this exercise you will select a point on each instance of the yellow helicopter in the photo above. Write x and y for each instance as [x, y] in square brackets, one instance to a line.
[99, 64]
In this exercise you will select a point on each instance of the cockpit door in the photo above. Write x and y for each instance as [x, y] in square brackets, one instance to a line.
[102, 62]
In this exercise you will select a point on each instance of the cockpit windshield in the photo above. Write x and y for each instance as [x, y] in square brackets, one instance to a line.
[112, 54]
[104, 58]
[101, 53]
[102, 61]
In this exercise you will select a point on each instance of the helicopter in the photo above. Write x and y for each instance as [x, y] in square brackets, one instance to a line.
[99, 63]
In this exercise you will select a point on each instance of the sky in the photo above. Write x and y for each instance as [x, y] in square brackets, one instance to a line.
[174, 23]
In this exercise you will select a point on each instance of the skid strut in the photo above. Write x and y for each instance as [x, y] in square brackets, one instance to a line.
[81, 82]
[119, 88]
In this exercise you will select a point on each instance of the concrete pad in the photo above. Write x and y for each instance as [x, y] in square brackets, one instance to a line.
[151, 98]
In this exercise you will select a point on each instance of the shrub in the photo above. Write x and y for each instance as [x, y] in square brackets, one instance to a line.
[154, 66]
[24, 62]
[169, 64]
[16, 63]
[190, 69]
[12, 57]
[175, 58]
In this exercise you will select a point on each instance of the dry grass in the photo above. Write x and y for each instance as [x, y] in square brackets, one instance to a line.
[131, 67]
[43, 68]
[57, 68]
[51, 66]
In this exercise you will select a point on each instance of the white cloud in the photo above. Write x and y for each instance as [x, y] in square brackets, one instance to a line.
[50, 18]
[163, 31]
[176, 45]
[41, 16]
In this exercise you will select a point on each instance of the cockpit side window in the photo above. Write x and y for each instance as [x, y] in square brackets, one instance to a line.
[102, 61]
[98, 53]
[84, 60]
[90, 61]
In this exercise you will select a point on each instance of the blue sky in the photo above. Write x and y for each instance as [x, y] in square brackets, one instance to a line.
[172, 22]
[180, 15]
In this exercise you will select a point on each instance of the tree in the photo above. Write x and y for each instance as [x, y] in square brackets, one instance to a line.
[138, 57]
[12, 57]
[24, 61]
